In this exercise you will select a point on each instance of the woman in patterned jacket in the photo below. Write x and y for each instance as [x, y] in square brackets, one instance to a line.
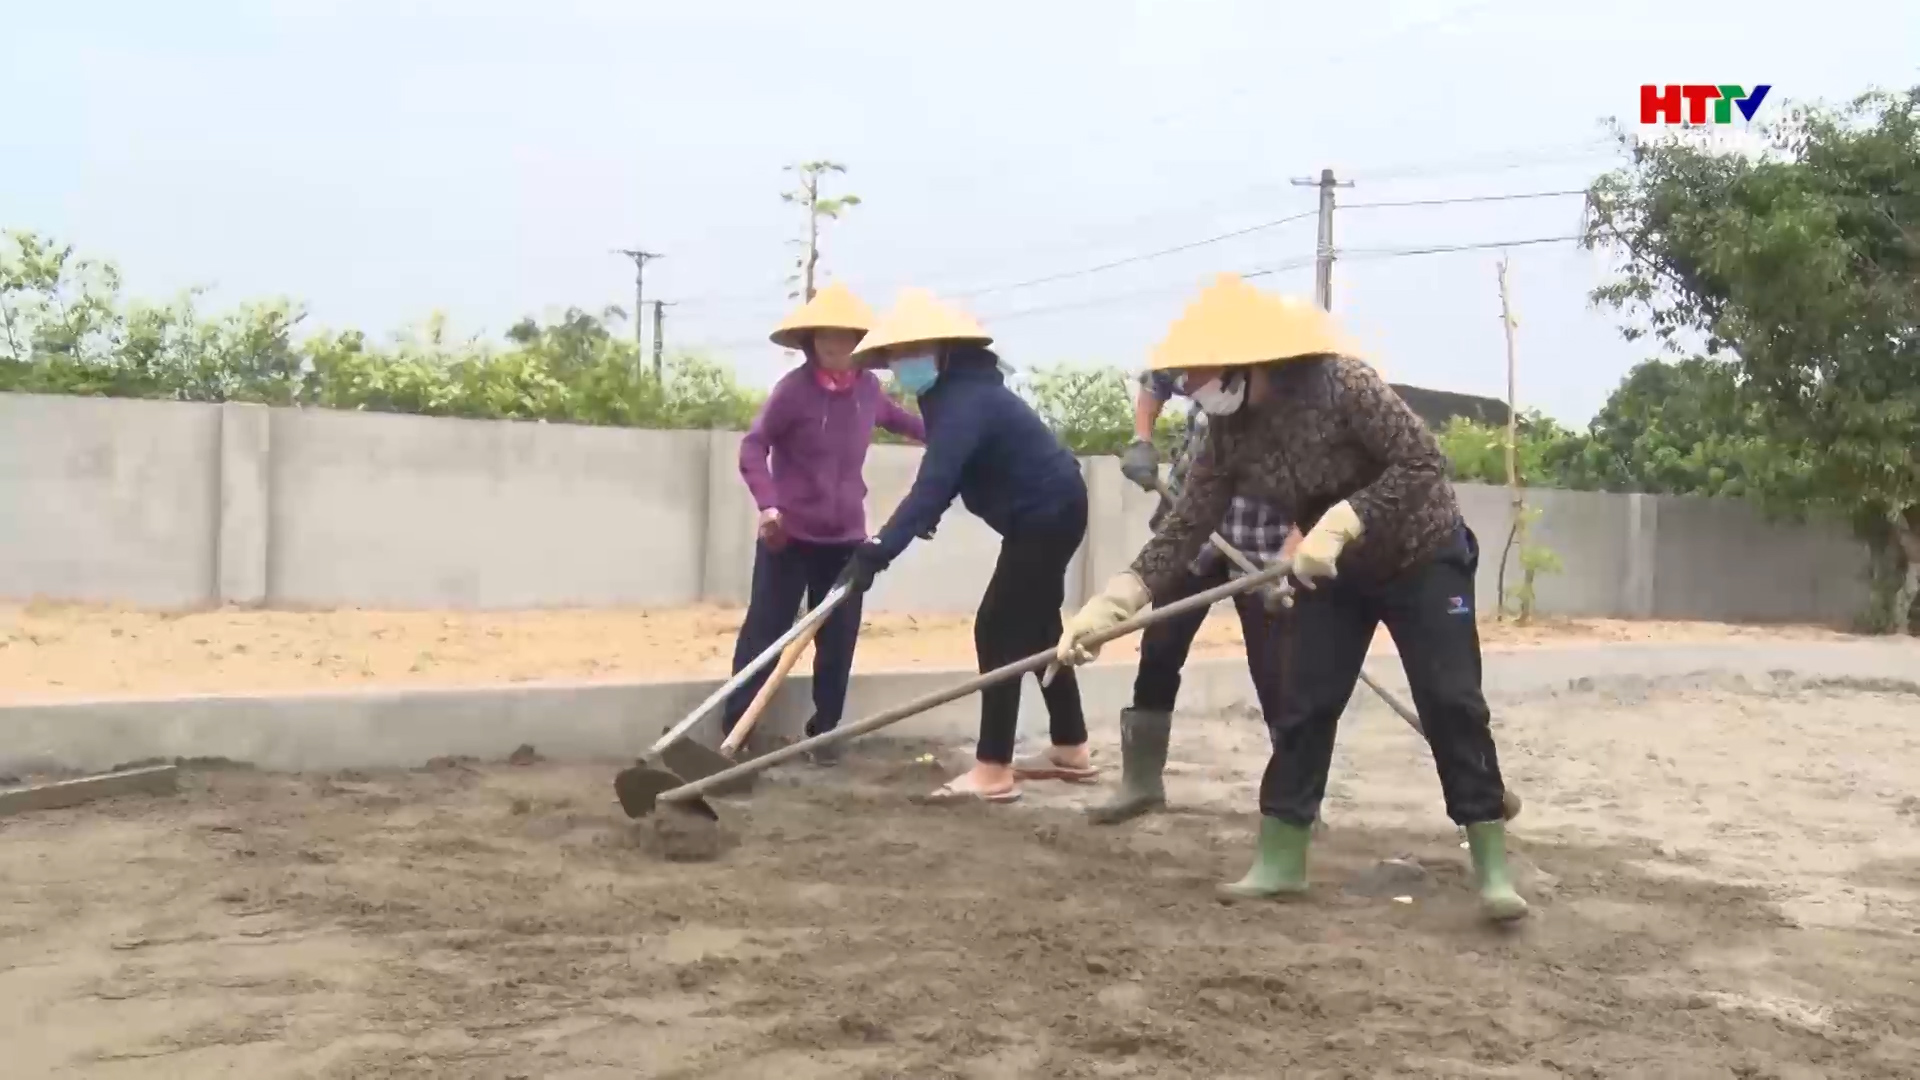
[1323, 437]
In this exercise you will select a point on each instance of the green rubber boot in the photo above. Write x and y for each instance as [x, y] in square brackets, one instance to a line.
[1279, 863]
[1499, 902]
[1143, 759]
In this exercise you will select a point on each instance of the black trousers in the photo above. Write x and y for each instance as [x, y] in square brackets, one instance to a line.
[780, 579]
[1164, 647]
[1020, 616]
[1429, 610]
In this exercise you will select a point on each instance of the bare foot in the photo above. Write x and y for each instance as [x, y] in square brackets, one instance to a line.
[1071, 757]
[986, 780]
[1070, 763]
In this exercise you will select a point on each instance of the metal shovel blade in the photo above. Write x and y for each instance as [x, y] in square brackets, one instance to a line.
[691, 761]
[639, 789]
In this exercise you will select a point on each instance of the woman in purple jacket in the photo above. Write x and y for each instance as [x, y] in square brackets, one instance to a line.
[815, 428]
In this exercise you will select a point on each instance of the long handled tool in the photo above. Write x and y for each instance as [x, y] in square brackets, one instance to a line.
[791, 656]
[1509, 801]
[673, 756]
[638, 801]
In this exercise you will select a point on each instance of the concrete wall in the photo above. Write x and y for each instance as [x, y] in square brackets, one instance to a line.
[109, 501]
[178, 505]
[420, 512]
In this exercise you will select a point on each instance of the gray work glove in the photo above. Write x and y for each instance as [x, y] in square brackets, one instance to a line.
[1141, 464]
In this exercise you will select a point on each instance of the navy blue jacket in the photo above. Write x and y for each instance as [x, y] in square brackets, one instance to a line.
[991, 449]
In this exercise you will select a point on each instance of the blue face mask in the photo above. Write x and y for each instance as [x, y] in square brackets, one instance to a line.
[916, 373]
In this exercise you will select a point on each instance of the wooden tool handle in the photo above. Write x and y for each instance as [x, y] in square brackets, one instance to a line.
[791, 656]
[1196, 602]
[740, 678]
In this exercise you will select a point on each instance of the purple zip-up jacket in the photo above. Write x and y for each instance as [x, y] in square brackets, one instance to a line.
[817, 439]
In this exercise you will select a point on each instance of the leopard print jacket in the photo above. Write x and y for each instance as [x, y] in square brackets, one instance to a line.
[1330, 429]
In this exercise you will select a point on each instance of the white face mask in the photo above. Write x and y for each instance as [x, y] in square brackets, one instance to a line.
[1218, 400]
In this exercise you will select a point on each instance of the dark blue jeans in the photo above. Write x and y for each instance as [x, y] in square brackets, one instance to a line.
[781, 579]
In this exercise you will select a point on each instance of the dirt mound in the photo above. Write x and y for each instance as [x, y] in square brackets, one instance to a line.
[494, 920]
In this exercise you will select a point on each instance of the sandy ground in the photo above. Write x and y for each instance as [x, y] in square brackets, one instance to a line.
[1726, 884]
[51, 652]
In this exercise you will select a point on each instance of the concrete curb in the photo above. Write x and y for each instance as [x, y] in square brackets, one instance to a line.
[406, 727]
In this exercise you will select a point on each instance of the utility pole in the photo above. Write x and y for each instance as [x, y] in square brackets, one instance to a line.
[659, 338]
[1323, 250]
[640, 261]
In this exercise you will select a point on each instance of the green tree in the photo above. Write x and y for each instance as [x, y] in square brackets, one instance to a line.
[1476, 452]
[1800, 267]
[1686, 427]
[1089, 408]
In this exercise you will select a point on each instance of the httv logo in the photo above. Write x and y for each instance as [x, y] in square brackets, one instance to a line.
[1666, 104]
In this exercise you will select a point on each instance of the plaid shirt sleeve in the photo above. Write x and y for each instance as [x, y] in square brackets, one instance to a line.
[1256, 529]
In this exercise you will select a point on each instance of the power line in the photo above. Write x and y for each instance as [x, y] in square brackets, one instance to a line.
[1133, 294]
[1289, 219]
[1131, 259]
[740, 301]
[1465, 199]
[1470, 166]
[1278, 268]
[758, 299]
[1396, 253]
[1364, 254]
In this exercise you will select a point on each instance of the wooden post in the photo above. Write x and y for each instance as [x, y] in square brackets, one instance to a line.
[813, 235]
[1517, 503]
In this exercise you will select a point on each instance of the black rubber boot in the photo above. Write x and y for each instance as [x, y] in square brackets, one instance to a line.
[1143, 761]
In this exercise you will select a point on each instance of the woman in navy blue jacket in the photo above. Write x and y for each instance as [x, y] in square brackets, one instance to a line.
[990, 449]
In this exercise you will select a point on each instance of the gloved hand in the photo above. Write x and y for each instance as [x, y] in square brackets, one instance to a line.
[1141, 463]
[1123, 597]
[862, 565]
[1276, 598]
[773, 530]
[928, 535]
[1314, 559]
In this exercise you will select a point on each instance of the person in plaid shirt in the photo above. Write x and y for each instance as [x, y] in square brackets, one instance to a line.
[1261, 533]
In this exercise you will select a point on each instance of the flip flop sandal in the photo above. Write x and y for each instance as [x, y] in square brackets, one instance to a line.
[946, 794]
[1042, 767]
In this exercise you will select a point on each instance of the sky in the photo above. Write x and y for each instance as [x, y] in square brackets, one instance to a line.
[379, 161]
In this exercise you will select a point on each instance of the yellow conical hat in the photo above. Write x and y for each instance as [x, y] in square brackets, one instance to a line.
[1233, 324]
[832, 308]
[918, 317]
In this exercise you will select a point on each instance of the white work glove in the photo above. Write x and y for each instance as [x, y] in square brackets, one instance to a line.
[1314, 559]
[1124, 596]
